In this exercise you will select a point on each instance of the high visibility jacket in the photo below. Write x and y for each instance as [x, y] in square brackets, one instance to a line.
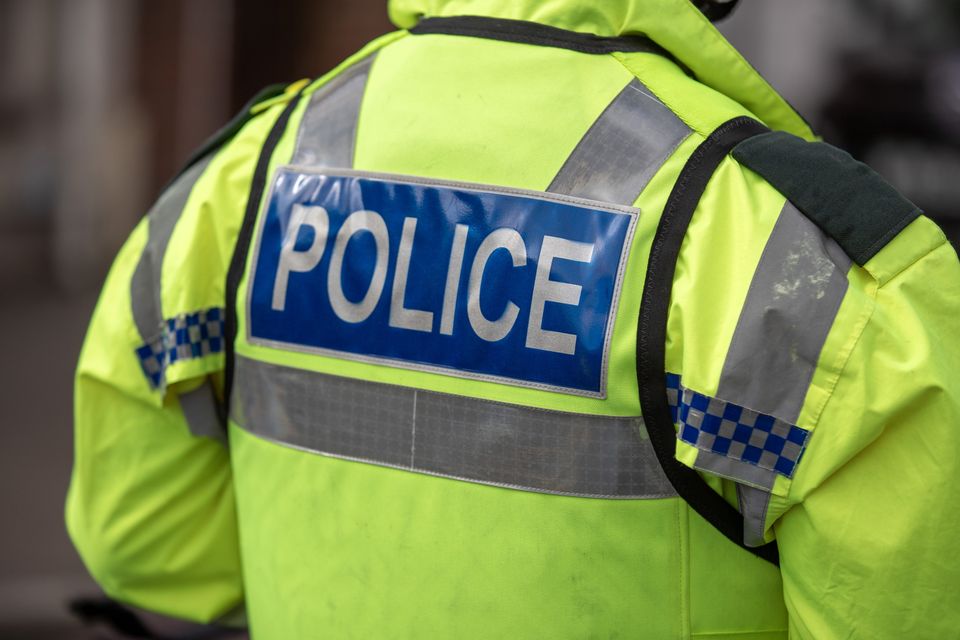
[529, 320]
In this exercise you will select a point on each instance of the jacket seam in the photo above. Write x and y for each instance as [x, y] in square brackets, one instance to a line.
[703, 133]
[891, 233]
[899, 272]
[372, 48]
[857, 335]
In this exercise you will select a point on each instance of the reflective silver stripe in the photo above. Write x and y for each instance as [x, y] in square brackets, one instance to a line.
[328, 129]
[446, 435]
[161, 220]
[623, 149]
[203, 413]
[753, 506]
[791, 305]
[734, 469]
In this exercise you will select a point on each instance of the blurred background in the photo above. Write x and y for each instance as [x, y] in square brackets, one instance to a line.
[102, 100]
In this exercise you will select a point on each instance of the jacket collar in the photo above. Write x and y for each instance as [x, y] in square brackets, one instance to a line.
[676, 25]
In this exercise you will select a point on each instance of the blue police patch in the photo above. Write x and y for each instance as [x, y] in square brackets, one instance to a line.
[467, 280]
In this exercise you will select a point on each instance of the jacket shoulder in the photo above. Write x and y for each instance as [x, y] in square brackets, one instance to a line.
[849, 201]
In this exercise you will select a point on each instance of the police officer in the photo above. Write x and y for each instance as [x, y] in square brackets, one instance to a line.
[529, 320]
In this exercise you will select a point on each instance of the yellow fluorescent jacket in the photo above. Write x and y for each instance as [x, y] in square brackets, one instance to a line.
[760, 438]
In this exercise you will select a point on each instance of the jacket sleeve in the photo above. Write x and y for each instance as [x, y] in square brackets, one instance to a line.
[151, 505]
[870, 544]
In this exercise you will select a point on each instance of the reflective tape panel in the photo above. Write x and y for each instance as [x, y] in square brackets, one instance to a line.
[445, 435]
[183, 337]
[204, 413]
[734, 469]
[738, 444]
[791, 305]
[161, 220]
[754, 504]
[735, 441]
[328, 129]
[623, 149]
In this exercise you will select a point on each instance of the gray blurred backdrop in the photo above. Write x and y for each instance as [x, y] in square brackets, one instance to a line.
[101, 100]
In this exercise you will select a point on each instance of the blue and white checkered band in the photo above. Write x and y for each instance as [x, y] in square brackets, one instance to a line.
[183, 337]
[473, 281]
[735, 432]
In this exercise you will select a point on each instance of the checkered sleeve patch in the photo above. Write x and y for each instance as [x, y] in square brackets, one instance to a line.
[735, 432]
[184, 337]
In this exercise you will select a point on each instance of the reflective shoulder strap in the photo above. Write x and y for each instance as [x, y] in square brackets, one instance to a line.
[326, 136]
[652, 331]
[623, 149]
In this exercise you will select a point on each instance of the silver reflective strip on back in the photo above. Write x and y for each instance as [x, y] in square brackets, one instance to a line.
[623, 149]
[446, 435]
[328, 128]
[791, 305]
[161, 220]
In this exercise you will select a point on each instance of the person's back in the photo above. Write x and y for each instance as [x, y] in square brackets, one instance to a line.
[493, 276]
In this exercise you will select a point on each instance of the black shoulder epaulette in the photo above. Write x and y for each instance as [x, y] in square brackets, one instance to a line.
[227, 131]
[849, 201]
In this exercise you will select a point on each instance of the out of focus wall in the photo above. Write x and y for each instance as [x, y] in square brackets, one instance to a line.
[102, 99]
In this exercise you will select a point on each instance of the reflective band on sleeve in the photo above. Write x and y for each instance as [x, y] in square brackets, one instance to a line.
[791, 305]
[203, 413]
[746, 438]
[184, 337]
[753, 505]
[446, 435]
[623, 149]
[721, 465]
[328, 129]
[161, 220]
